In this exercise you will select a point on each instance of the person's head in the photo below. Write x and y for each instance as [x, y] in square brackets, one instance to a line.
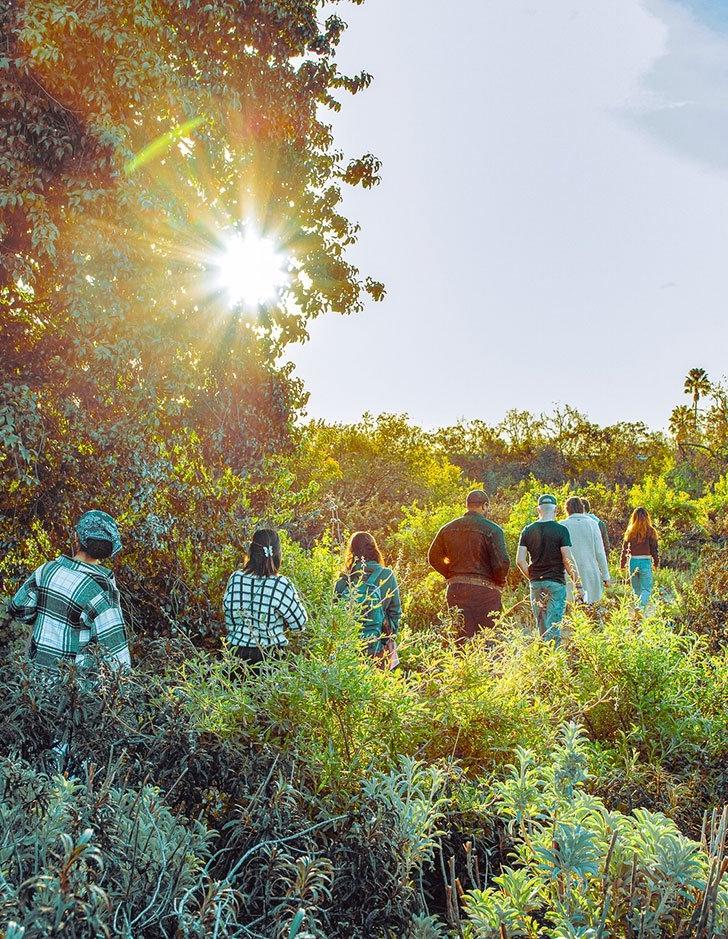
[264, 556]
[574, 505]
[640, 525]
[362, 547]
[587, 505]
[97, 535]
[476, 501]
[546, 506]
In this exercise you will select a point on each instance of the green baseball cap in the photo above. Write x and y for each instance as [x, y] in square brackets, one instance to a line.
[547, 499]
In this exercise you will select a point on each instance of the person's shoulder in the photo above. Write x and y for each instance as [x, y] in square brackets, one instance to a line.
[283, 581]
[489, 524]
[453, 523]
[561, 529]
[527, 529]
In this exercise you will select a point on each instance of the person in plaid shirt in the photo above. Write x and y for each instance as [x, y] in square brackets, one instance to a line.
[72, 602]
[259, 604]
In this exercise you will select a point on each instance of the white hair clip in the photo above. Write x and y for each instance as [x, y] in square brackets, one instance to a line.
[268, 551]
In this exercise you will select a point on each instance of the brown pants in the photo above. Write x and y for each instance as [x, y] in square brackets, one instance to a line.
[477, 604]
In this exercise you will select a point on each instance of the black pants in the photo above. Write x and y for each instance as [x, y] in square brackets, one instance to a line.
[477, 605]
[254, 655]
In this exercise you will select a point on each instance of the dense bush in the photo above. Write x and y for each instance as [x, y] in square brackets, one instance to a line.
[322, 797]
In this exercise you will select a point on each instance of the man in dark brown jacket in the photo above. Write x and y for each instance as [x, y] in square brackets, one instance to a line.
[470, 552]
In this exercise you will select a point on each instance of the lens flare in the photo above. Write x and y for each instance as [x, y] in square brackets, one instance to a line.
[248, 269]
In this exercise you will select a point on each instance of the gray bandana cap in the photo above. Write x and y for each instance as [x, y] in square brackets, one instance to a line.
[97, 524]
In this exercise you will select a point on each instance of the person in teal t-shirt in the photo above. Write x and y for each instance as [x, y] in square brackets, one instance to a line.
[544, 557]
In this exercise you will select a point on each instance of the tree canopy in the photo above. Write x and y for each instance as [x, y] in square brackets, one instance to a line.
[133, 135]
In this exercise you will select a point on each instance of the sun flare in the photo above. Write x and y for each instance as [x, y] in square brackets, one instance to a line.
[249, 270]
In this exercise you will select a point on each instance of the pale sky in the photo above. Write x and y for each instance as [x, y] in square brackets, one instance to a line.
[555, 175]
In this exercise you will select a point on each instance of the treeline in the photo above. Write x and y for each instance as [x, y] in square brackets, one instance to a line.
[373, 473]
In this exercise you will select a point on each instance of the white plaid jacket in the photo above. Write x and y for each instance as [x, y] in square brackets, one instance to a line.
[258, 610]
[70, 604]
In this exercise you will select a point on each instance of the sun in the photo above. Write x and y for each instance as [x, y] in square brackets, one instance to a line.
[248, 269]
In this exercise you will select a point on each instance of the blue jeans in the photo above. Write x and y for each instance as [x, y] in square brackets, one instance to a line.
[641, 577]
[548, 602]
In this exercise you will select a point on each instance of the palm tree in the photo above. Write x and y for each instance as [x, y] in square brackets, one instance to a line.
[696, 384]
[682, 423]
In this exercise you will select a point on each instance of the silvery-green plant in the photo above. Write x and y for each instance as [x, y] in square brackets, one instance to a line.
[415, 795]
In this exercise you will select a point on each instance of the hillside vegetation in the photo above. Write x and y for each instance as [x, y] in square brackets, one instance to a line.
[512, 790]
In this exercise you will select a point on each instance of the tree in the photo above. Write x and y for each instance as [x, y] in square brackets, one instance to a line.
[133, 134]
[682, 424]
[696, 384]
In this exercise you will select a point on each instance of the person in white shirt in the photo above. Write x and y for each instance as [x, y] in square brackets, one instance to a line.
[587, 547]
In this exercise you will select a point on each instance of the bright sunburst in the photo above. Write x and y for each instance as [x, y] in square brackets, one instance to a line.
[249, 269]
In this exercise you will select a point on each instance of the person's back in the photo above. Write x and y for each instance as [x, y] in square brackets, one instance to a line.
[73, 602]
[544, 541]
[260, 605]
[640, 551]
[588, 550]
[544, 553]
[470, 552]
[603, 530]
[373, 588]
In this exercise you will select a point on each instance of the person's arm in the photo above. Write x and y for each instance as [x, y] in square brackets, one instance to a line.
[227, 605]
[654, 550]
[522, 560]
[601, 555]
[436, 555]
[105, 619]
[24, 605]
[604, 532]
[292, 609]
[342, 587]
[623, 555]
[571, 569]
[499, 561]
[391, 602]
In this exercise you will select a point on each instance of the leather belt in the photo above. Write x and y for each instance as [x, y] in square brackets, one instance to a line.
[474, 580]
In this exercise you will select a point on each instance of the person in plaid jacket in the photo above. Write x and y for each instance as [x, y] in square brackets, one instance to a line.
[259, 604]
[72, 602]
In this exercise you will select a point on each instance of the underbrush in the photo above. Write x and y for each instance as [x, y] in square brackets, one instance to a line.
[506, 789]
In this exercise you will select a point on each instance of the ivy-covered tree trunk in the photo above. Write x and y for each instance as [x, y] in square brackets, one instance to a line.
[133, 135]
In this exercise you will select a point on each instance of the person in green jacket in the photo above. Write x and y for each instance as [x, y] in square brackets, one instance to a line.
[374, 589]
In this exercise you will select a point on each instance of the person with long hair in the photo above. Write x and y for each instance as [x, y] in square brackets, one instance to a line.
[587, 548]
[374, 589]
[260, 604]
[640, 551]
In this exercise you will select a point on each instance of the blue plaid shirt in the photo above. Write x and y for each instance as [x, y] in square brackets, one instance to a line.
[71, 604]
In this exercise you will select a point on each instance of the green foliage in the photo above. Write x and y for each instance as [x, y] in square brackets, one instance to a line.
[587, 871]
[327, 791]
[702, 603]
[133, 135]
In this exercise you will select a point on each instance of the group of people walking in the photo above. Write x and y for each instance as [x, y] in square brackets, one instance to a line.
[562, 560]
[73, 602]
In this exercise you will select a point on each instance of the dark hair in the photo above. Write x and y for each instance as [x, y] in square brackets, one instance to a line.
[477, 497]
[586, 503]
[97, 548]
[362, 547]
[264, 557]
[574, 505]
